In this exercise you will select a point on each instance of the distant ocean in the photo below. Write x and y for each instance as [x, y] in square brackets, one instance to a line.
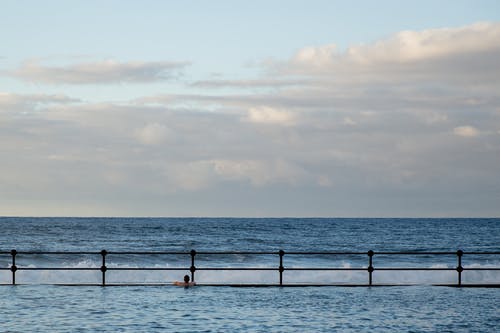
[38, 305]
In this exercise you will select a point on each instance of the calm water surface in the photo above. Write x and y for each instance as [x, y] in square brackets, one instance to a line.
[226, 309]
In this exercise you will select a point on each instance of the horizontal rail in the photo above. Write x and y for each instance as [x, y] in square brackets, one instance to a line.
[325, 269]
[237, 252]
[325, 253]
[236, 268]
[57, 268]
[245, 253]
[281, 268]
[277, 285]
[416, 253]
[147, 268]
[413, 269]
[149, 253]
[249, 269]
[51, 252]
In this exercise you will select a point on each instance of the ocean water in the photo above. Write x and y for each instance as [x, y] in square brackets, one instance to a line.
[44, 302]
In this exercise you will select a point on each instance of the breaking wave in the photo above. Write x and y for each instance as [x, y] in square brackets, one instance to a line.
[135, 276]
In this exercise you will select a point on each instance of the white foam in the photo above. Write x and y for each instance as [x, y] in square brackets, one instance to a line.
[248, 277]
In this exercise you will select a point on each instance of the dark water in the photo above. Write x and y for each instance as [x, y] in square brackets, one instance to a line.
[235, 234]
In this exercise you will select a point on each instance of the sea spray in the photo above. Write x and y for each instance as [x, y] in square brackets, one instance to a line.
[133, 274]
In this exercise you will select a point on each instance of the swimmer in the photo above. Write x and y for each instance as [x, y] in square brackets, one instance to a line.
[185, 283]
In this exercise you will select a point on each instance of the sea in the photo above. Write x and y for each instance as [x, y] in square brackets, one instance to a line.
[238, 299]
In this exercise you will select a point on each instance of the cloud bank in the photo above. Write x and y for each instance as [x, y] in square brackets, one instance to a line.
[407, 52]
[101, 72]
[407, 126]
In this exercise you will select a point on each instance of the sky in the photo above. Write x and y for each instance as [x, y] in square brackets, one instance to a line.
[250, 108]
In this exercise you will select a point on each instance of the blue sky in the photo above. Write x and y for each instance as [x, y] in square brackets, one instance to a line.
[261, 108]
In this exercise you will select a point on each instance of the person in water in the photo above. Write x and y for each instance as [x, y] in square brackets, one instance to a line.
[186, 283]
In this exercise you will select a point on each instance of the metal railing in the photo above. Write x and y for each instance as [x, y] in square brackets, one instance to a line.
[280, 269]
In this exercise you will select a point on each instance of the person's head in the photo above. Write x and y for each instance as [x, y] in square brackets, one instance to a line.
[186, 278]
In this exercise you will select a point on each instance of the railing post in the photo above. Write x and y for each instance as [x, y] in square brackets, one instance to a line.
[460, 269]
[103, 266]
[192, 269]
[370, 267]
[281, 268]
[13, 267]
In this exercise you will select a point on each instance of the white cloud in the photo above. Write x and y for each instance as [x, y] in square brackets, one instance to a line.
[320, 56]
[324, 181]
[411, 46]
[348, 121]
[152, 134]
[101, 72]
[466, 131]
[432, 118]
[237, 170]
[246, 83]
[190, 176]
[11, 101]
[269, 115]
[260, 172]
[453, 52]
